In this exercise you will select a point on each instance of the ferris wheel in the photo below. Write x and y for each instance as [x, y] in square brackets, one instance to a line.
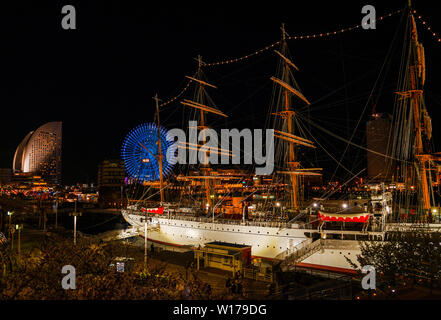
[140, 152]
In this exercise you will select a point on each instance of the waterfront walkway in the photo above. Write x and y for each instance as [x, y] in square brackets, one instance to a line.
[181, 263]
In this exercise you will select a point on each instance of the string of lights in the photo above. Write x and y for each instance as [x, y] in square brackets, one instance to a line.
[244, 57]
[297, 37]
[177, 96]
[426, 25]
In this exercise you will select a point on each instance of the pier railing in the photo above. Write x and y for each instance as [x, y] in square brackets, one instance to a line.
[288, 252]
[251, 273]
[337, 287]
[304, 250]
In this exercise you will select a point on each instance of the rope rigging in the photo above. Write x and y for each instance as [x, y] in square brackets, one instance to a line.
[320, 35]
[303, 124]
[297, 37]
[384, 65]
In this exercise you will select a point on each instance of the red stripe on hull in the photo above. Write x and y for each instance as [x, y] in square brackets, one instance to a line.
[327, 268]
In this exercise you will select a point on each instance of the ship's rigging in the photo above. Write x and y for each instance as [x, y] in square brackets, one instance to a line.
[288, 92]
[280, 235]
[417, 164]
[412, 134]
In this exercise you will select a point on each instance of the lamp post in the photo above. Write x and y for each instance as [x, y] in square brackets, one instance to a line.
[56, 214]
[145, 242]
[44, 219]
[10, 213]
[19, 227]
[75, 214]
[39, 213]
[12, 237]
[10, 223]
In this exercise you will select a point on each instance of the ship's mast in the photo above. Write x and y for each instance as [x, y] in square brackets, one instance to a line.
[415, 78]
[205, 167]
[288, 89]
[160, 156]
[292, 164]
[202, 106]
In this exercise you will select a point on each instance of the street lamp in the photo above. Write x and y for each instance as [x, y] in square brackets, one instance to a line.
[19, 227]
[75, 214]
[12, 230]
[56, 214]
[145, 242]
[10, 213]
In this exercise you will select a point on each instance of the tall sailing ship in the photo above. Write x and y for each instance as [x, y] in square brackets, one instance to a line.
[316, 232]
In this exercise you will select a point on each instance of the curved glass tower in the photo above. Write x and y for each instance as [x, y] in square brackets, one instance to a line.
[40, 153]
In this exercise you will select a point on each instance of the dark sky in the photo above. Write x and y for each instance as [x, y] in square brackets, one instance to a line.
[100, 78]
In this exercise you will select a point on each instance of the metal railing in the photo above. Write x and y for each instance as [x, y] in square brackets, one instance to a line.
[338, 289]
[304, 251]
[251, 273]
[292, 250]
[333, 286]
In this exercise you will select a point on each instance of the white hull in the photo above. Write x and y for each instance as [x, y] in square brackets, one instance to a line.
[267, 242]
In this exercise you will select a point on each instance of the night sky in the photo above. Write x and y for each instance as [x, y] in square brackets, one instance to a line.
[100, 79]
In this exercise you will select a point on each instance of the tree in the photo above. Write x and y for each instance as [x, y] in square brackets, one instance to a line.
[37, 274]
[412, 255]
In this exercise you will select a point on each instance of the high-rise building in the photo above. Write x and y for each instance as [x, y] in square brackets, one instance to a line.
[40, 153]
[111, 175]
[377, 135]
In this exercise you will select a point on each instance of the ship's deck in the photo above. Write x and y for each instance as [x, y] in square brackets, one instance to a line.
[257, 222]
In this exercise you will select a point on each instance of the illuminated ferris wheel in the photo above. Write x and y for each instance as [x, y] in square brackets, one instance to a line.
[140, 152]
